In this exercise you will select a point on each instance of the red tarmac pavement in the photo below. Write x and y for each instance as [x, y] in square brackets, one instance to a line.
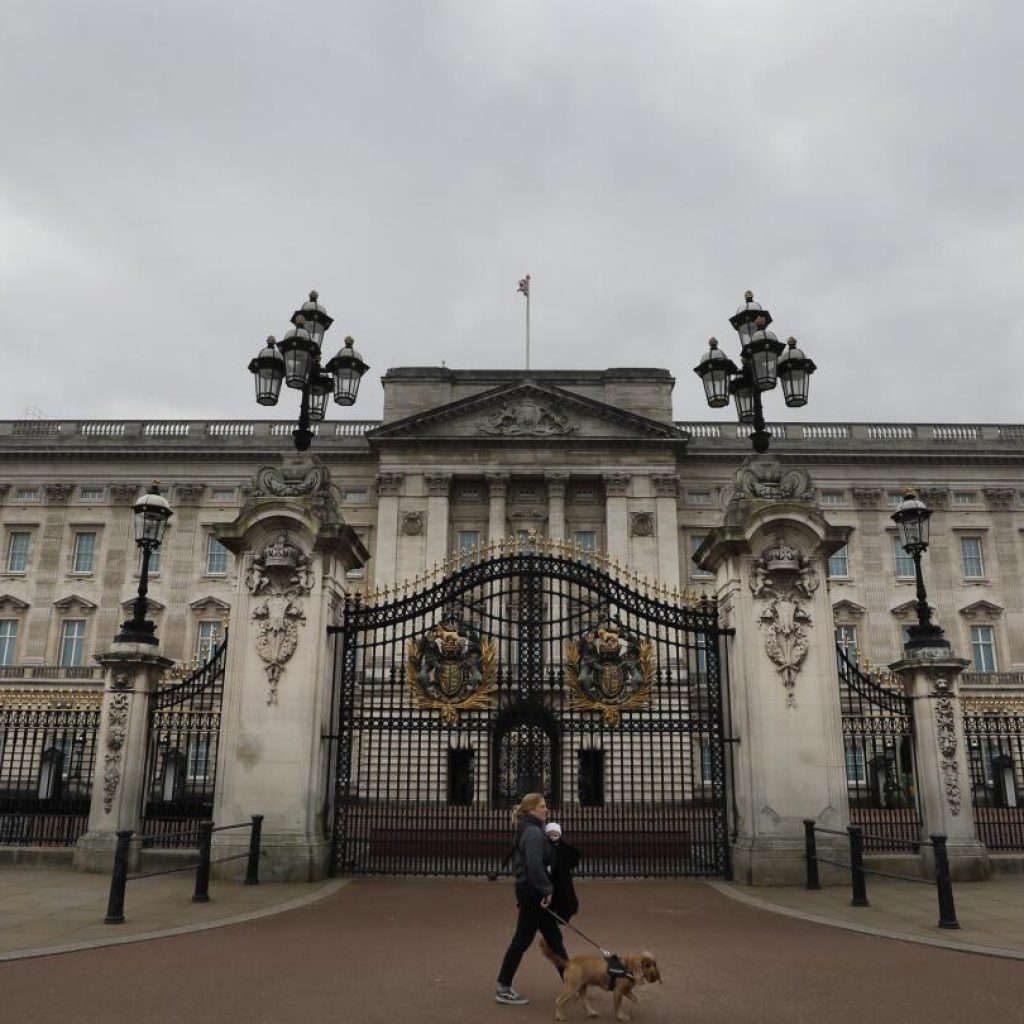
[396, 950]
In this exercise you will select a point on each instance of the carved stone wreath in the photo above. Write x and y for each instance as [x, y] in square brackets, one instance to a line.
[610, 671]
[280, 575]
[412, 523]
[451, 669]
[642, 524]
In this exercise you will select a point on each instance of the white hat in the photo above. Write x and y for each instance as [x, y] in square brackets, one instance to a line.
[552, 826]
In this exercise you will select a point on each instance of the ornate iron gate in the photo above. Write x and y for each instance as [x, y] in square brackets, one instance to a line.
[878, 736]
[530, 671]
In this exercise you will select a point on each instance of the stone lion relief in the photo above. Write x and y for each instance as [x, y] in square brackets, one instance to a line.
[281, 576]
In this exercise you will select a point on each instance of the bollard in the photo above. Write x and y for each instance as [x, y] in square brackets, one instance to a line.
[811, 852]
[202, 893]
[252, 868]
[944, 884]
[860, 890]
[118, 879]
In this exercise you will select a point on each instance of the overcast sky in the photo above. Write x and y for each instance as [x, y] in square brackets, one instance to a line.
[176, 176]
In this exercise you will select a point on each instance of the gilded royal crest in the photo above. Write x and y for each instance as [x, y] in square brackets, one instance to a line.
[451, 669]
[610, 671]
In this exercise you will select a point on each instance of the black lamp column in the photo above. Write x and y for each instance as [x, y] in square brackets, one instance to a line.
[911, 519]
[151, 515]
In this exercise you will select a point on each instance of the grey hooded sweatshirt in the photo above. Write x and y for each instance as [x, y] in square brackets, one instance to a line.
[533, 853]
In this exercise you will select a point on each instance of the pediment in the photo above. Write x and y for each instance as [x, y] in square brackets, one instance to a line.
[908, 610]
[209, 604]
[848, 609]
[527, 412]
[74, 602]
[981, 610]
[9, 603]
[151, 605]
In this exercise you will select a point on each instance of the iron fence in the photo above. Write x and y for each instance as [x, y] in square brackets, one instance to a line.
[995, 747]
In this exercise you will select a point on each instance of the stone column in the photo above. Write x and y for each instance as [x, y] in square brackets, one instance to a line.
[119, 778]
[438, 486]
[930, 680]
[497, 508]
[616, 487]
[293, 549]
[666, 504]
[557, 483]
[789, 761]
[385, 559]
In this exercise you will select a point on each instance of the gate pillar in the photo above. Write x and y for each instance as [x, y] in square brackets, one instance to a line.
[132, 674]
[294, 549]
[788, 759]
[943, 774]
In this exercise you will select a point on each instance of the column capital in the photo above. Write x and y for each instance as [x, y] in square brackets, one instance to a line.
[557, 483]
[57, 494]
[123, 494]
[497, 484]
[867, 497]
[438, 484]
[188, 493]
[666, 485]
[389, 484]
[616, 484]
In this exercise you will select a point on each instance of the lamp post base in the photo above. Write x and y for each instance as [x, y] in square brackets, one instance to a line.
[925, 637]
[133, 632]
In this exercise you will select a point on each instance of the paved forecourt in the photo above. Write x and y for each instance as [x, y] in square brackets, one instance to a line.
[427, 950]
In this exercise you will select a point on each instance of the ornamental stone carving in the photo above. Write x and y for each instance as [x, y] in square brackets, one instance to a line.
[57, 494]
[763, 478]
[123, 494]
[665, 485]
[557, 484]
[389, 484]
[412, 523]
[117, 731]
[867, 497]
[290, 481]
[945, 729]
[527, 419]
[616, 485]
[782, 580]
[188, 494]
[934, 497]
[1000, 497]
[281, 577]
[438, 484]
[641, 524]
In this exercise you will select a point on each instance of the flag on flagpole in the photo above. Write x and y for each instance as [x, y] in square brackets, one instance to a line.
[524, 286]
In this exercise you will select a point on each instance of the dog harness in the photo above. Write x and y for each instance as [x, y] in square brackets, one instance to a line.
[616, 970]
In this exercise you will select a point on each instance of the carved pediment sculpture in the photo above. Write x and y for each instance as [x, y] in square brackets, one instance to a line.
[526, 418]
[782, 579]
[764, 478]
[281, 577]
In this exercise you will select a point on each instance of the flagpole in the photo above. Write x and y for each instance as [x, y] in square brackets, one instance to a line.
[527, 329]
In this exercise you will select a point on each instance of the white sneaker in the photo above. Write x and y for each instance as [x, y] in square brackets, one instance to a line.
[510, 997]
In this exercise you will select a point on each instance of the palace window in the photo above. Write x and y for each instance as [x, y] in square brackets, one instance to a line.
[586, 539]
[91, 493]
[216, 557]
[904, 563]
[72, 643]
[846, 638]
[8, 640]
[833, 497]
[198, 761]
[154, 561]
[26, 494]
[208, 638]
[696, 539]
[839, 564]
[83, 554]
[18, 544]
[971, 558]
[856, 764]
[983, 649]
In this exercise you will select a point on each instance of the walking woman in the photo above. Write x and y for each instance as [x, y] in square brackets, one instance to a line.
[530, 862]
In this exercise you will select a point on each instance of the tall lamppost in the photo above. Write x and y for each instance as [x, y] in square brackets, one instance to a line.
[295, 360]
[911, 520]
[764, 360]
[151, 515]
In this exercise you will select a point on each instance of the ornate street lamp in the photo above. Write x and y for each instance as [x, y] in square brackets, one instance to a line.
[764, 360]
[911, 520]
[295, 361]
[151, 515]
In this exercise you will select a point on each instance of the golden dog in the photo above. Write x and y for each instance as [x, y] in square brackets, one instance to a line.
[582, 972]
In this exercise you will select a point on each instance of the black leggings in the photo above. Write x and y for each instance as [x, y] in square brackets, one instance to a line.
[532, 918]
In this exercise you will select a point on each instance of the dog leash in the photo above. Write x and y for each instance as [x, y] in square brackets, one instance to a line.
[604, 952]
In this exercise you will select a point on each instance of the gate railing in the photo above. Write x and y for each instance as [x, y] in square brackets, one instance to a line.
[995, 748]
[47, 758]
[878, 737]
[182, 754]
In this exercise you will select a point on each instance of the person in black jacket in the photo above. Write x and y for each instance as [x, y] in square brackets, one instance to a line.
[530, 862]
[565, 858]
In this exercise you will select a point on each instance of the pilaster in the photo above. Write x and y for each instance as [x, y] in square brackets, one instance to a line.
[438, 488]
[557, 483]
[385, 559]
[616, 489]
[666, 507]
[497, 508]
